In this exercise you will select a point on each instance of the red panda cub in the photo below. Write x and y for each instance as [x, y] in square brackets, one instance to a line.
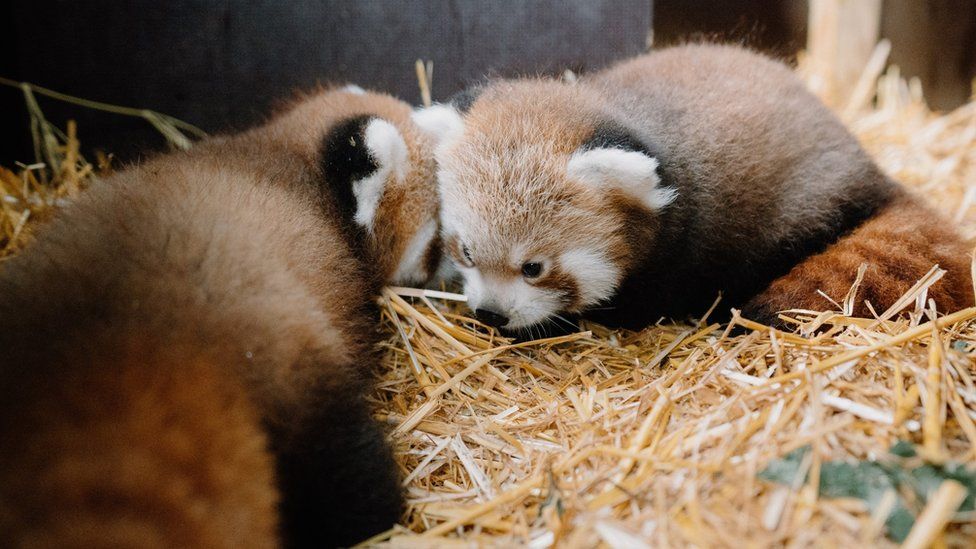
[185, 347]
[644, 190]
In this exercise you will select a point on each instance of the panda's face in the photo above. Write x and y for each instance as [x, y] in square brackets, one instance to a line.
[534, 223]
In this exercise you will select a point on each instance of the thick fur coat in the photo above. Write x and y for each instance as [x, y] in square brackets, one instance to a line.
[186, 347]
[645, 190]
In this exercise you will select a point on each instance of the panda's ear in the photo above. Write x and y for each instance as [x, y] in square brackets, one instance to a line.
[353, 89]
[633, 173]
[359, 157]
[441, 122]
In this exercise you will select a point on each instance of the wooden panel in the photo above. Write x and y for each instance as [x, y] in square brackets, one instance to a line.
[842, 35]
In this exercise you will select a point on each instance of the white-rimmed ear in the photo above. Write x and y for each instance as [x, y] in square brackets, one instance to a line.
[388, 151]
[441, 122]
[631, 172]
[386, 145]
[353, 89]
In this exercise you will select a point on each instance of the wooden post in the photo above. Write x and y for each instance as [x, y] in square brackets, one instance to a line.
[934, 41]
[841, 37]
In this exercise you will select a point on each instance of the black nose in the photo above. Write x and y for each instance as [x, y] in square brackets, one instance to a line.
[491, 318]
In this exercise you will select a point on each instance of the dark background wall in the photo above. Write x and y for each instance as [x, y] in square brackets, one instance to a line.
[777, 27]
[221, 64]
[934, 40]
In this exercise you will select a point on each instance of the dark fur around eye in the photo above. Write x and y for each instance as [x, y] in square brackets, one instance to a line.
[531, 269]
[467, 254]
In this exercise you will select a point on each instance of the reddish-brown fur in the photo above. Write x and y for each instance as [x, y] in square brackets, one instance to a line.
[772, 197]
[184, 355]
[408, 203]
[899, 245]
[135, 448]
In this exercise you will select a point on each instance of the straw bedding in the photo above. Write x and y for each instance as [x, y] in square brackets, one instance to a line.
[662, 437]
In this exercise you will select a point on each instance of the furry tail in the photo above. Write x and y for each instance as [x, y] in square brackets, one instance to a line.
[899, 245]
[135, 449]
[338, 480]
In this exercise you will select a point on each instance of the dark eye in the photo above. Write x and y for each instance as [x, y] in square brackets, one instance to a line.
[531, 269]
[467, 255]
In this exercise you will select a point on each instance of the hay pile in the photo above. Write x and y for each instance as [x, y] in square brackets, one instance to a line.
[663, 437]
[60, 170]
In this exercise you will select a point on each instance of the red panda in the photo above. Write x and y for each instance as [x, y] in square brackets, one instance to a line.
[185, 347]
[644, 190]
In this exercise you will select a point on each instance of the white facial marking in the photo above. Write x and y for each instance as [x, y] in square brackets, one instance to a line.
[442, 122]
[524, 305]
[596, 276]
[411, 267]
[474, 287]
[354, 89]
[389, 150]
[517, 254]
[632, 172]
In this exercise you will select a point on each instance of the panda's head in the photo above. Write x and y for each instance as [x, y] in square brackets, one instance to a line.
[381, 169]
[543, 199]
